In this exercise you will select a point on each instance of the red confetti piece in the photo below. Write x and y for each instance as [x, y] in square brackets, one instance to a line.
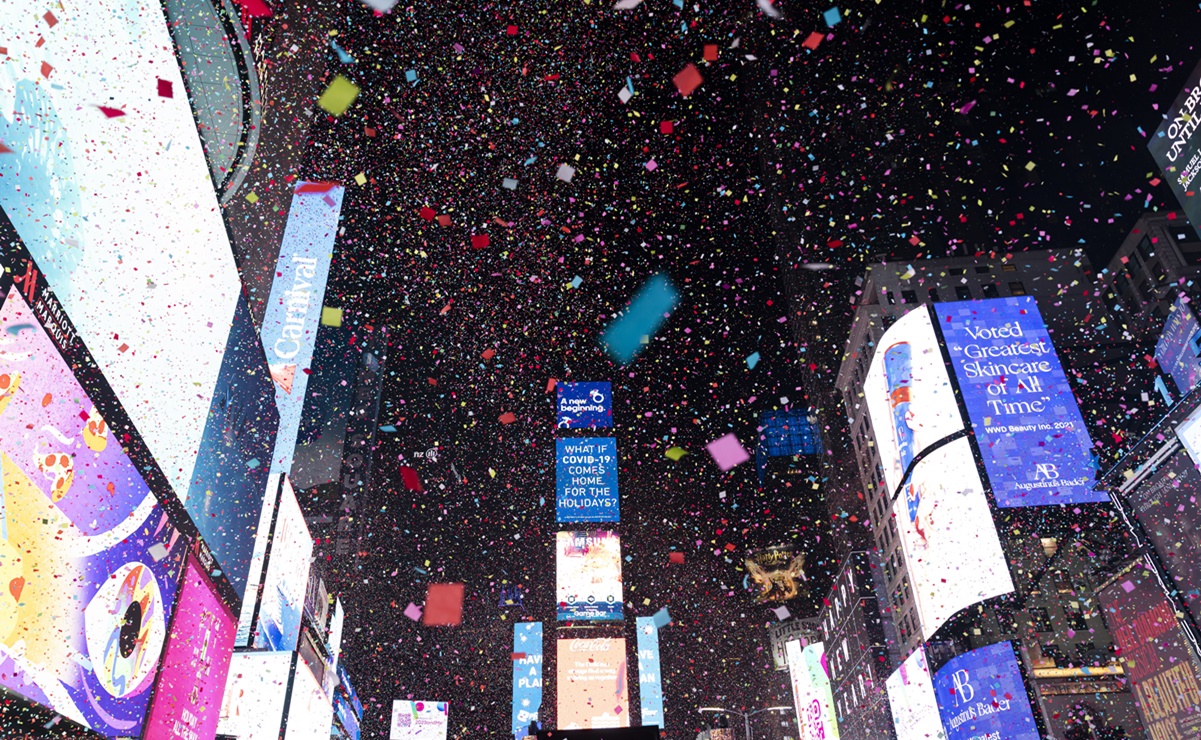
[111, 112]
[687, 80]
[166, 89]
[507, 417]
[479, 241]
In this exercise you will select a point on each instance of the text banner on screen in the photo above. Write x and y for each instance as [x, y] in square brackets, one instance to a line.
[593, 692]
[588, 576]
[650, 677]
[1174, 350]
[1158, 662]
[911, 700]
[584, 405]
[1036, 448]
[981, 694]
[811, 694]
[586, 480]
[527, 675]
[419, 720]
[294, 307]
[1176, 148]
[81, 535]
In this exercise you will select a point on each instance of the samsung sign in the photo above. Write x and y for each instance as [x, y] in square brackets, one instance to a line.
[1033, 439]
[1176, 149]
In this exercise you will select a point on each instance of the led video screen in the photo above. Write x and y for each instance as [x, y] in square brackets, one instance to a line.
[811, 696]
[584, 405]
[588, 575]
[255, 694]
[1174, 351]
[310, 710]
[89, 560]
[287, 577]
[980, 694]
[593, 692]
[527, 675]
[1176, 148]
[911, 700]
[117, 207]
[419, 720]
[586, 480]
[1036, 448]
[650, 677]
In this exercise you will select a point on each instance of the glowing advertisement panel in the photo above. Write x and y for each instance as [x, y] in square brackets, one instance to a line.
[1174, 351]
[588, 575]
[1176, 148]
[1036, 448]
[911, 699]
[592, 686]
[232, 466]
[586, 480]
[287, 577]
[258, 556]
[584, 405]
[811, 695]
[310, 711]
[650, 677]
[117, 206]
[255, 694]
[294, 307]
[89, 561]
[191, 683]
[981, 696]
[1156, 658]
[419, 720]
[909, 396]
[948, 539]
[527, 675]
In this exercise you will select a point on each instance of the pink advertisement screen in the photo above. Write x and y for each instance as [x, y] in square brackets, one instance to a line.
[187, 699]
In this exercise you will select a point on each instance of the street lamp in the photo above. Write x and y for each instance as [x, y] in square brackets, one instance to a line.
[746, 716]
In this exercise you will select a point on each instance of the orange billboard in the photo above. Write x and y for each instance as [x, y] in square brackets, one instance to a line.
[593, 692]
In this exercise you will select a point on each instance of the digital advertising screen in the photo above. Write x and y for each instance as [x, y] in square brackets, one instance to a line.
[586, 480]
[255, 694]
[981, 694]
[810, 678]
[1176, 148]
[584, 405]
[419, 720]
[254, 579]
[650, 677]
[588, 575]
[1156, 657]
[1036, 448]
[293, 310]
[117, 207]
[593, 692]
[191, 682]
[527, 675]
[89, 560]
[1174, 351]
[233, 465]
[909, 396]
[310, 711]
[911, 699]
[287, 577]
[948, 537]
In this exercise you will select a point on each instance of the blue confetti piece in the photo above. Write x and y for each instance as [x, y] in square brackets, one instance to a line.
[623, 337]
[411, 75]
[832, 16]
[577, 281]
[661, 618]
[387, 428]
[252, 463]
[752, 360]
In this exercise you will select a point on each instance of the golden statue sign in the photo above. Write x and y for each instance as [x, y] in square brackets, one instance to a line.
[777, 572]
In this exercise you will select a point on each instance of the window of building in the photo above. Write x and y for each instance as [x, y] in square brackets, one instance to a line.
[1075, 616]
[963, 293]
[908, 296]
[957, 270]
[990, 290]
[934, 295]
[983, 269]
[1009, 268]
[1052, 651]
[1146, 248]
[1017, 288]
[1040, 620]
[888, 296]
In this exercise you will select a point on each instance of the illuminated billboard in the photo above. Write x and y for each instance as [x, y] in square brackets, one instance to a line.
[1174, 350]
[255, 694]
[117, 206]
[593, 692]
[584, 405]
[310, 711]
[911, 699]
[89, 561]
[650, 678]
[232, 467]
[1158, 662]
[527, 675]
[293, 310]
[811, 693]
[419, 720]
[981, 694]
[948, 539]
[586, 480]
[1176, 148]
[287, 578]
[191, 682]
[588, 575]
[1028, 425]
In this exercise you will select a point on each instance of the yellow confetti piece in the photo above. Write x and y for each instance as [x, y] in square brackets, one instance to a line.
[338, 96]
[331, 316]
[361, 178]
[675, 453]
[252, 198]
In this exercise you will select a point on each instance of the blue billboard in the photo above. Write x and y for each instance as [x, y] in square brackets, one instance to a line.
[527, 675]
[586, 480]
[650, 680]
[584, 405]
[1035, 446]
[225, 496]
[294, 306]
[1174, 351]
[981, 695]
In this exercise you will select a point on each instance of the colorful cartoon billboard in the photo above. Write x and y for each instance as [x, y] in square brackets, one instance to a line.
[588, 575]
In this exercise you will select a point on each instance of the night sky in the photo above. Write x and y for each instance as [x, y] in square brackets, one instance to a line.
[907, 129]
